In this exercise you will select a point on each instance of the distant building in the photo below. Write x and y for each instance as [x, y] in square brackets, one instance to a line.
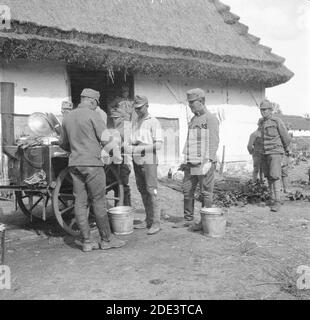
[299, 126]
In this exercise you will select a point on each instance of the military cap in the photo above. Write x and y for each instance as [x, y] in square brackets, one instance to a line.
[265, 104]
[140, 101]
[195, 94]
[90, 93]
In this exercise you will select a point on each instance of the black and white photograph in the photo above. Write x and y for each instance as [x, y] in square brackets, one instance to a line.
[155, 150]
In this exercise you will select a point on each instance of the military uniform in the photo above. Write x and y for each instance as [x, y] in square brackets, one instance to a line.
[82, 137]
[255, 148]
[276, 141]
[120, 116]
[201, 146]
[146, 132]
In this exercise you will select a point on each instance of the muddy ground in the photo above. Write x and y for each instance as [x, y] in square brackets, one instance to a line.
[257, 259]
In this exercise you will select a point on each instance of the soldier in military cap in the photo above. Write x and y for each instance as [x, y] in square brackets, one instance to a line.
[200, 157]
[255, 148]
[276, 141]
[146, 140]
[82, 136]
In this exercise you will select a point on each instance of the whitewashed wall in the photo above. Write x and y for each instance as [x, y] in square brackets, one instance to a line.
[235, 106]
[39, 86]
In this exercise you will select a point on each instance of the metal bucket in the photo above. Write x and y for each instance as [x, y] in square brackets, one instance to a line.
[213, 222]
[121, 220]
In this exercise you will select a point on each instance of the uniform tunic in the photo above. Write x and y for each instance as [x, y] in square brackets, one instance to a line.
[203, 138]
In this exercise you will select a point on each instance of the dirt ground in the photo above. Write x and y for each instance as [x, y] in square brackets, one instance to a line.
[257, 259]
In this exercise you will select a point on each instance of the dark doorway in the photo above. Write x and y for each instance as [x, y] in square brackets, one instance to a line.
[98, 80]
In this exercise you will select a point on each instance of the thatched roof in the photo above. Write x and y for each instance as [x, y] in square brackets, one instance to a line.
[296, 122]
[196, 38]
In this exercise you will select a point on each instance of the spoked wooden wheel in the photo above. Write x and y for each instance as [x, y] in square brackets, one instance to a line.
[63, 199]
[36, 205]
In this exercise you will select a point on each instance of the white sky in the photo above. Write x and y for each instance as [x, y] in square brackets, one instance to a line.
[283, 25]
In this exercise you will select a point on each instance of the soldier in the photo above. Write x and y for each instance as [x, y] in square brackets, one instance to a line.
[276, 141]
[146, 141]
[123, 102]
[200, 157]
[255, 148]
[82, 136]
[118, 117]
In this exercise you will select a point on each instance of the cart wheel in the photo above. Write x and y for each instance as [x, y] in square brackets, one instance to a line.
[34, 204]
[63, 199]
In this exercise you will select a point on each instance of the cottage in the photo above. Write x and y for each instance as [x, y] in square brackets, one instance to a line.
[161, 48]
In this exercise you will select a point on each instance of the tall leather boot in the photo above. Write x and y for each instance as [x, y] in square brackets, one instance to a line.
[189, 209]
[271, 193]
[277, 192]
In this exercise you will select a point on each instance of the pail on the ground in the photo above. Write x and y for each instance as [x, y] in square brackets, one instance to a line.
[121, 220]
[213, 222]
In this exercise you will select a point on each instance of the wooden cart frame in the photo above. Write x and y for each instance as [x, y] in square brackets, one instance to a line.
[55, 197]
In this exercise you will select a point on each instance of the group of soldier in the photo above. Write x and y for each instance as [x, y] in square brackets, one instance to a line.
[89, 135]
[269, 147]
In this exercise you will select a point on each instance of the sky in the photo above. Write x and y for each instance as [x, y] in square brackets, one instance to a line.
[283, 25]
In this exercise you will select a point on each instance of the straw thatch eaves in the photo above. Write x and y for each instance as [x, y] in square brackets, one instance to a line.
[192, 38]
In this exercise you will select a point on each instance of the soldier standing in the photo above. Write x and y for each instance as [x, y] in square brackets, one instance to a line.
[124, 103]
[276, 141]
[200, 157]
[255, 148]
[118, 119]
[146, 141]
[82, 137]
